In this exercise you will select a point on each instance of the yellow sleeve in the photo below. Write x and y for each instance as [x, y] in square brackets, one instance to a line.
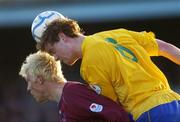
[147, 40]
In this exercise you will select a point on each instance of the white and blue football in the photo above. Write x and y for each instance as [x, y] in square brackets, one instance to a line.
[41, 21]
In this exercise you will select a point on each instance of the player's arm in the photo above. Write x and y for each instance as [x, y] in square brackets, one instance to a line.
[169, 51]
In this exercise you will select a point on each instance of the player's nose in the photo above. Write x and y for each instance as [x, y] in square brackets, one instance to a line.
[28, 87]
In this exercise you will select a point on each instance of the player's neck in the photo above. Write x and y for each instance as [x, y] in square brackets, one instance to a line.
[78, 45]
[56, 92]
[59, 91]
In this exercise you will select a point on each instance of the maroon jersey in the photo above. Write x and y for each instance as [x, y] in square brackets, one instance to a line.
[79, 103]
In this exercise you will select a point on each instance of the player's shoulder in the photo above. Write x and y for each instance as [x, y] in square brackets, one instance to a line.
[74, 84]
[73, 87]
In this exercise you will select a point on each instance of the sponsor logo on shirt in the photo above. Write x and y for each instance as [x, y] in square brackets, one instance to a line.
[94, 107]
[96, 88]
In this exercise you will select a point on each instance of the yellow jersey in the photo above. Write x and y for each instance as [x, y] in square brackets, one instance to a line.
[118, 62]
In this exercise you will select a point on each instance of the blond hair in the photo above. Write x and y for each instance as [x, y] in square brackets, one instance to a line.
[42, 64]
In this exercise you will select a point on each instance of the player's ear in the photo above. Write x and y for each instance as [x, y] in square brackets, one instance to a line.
[40, 79]
[62, 36]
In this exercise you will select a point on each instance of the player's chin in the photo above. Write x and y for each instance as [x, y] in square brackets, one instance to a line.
[70, 63]
[44, 101]
[40, 100]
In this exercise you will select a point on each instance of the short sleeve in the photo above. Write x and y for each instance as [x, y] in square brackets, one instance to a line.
[147, 40]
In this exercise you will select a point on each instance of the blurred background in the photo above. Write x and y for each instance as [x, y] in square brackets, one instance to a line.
[16, 104]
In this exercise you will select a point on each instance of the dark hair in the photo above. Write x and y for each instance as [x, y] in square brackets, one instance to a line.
[50, 36]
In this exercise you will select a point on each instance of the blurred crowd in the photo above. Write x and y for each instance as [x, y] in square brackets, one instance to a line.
[19, 106]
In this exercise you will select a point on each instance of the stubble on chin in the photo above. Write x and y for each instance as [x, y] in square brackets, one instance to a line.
[70, 63]
[41, 100]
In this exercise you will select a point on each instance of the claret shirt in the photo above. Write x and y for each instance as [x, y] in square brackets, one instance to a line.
[79, 103]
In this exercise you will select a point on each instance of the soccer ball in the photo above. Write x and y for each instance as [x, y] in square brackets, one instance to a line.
[41, 21]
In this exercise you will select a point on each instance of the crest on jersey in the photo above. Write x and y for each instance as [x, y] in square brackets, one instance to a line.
[94, 107]
[96, 88]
